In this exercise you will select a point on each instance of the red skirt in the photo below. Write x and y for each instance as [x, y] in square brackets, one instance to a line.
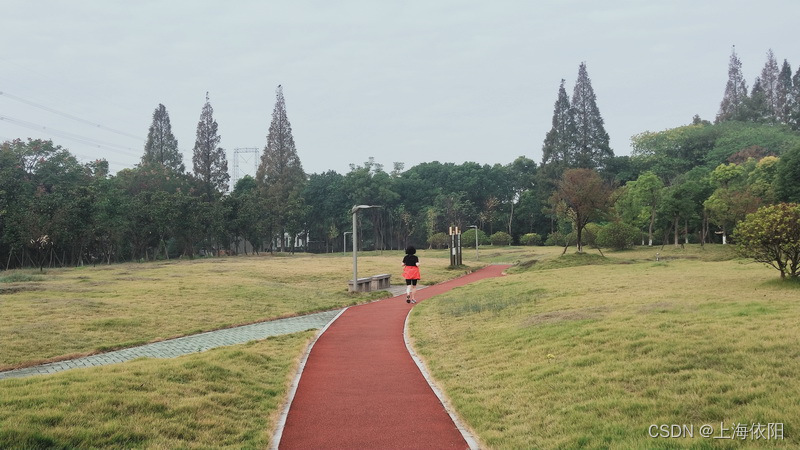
[411, 272]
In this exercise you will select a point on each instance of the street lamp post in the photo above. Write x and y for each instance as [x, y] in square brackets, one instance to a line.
[476, 240]
[344, 241]
[354, 210]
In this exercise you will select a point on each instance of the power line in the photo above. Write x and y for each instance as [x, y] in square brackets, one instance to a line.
[58, 81]
[77, 155]
[68, 116]
[66, 135]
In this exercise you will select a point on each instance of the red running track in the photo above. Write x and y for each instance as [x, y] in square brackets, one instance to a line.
[361, 388]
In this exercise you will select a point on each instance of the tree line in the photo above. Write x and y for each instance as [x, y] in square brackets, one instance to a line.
[692, 183]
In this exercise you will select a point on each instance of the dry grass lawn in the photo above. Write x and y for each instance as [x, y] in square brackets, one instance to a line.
[567, 355]
[223, 398]
[67, 312]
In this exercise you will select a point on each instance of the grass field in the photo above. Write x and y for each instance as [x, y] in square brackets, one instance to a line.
[223, 398]
[588, 352]
[580, 351]
[67, 312]
[227, 397]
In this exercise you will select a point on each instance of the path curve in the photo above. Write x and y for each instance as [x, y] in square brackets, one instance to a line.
[360, 387]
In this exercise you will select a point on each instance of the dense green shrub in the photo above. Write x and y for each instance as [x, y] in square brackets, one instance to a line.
[500, 238]
[588, 236]
[787, 187]
[530, 239]
[618, 236]
[559, 239]
[439, 240]
[468, 238]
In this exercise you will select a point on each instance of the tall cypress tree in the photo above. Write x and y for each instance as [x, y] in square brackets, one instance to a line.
[735, 91]
[209, 161]
[559, 143]
[161, 146]
[757, 108]
[591, 138]
[794, 104]
[785, 93]
[280, 174]
[769, 83]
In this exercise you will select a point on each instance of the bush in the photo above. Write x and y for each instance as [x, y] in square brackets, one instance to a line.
[587, 237]
[788, 171]
[500, 238]
[772, 235]
[559, 239]
[468, 238]
[439, 240]
[618, 236]
[530, 239]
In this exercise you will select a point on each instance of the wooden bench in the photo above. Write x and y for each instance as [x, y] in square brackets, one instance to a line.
[380, 282]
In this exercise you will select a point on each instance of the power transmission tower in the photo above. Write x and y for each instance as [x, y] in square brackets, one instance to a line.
[249, 158]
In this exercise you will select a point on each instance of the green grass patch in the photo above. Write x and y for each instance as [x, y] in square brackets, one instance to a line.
[493, 302]
[786, 283]
[20, 277]
[83, 310]
[572, 260]
[227, 397]
[589, 356]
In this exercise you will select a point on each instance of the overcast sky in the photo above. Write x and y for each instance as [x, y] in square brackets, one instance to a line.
[411, 81]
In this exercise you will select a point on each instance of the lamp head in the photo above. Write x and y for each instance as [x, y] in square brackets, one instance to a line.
[357, 207]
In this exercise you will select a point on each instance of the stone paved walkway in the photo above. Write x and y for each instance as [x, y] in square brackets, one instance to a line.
[185, 345]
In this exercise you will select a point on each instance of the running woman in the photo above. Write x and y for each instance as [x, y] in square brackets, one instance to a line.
[411, 273]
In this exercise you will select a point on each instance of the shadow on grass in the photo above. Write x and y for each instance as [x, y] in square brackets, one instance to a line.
[564, 261]
[783, 283]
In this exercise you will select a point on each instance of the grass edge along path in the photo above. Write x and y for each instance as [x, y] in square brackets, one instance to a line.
[591, 356]
[74, 312]
[361, 388]
[467, 433]
[227, 397]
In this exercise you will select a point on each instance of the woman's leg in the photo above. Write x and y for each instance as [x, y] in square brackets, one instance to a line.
[408, 291]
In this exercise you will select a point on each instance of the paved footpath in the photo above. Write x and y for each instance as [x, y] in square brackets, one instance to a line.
[361, 388]
[185, 345]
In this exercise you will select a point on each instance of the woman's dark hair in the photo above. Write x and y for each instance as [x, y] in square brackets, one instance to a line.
[410, 250]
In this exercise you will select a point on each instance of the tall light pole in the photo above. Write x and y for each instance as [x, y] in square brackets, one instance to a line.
[476, 240]
[355, 242]
[344, 241]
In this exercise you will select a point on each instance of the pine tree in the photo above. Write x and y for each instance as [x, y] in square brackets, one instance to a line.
[785, 93]
[757, 107]
[161, 146]
[210, 163]
[769, 83]
[591, 138]
[735, 91]
[280, 174]
[559, 143]
[794, 104]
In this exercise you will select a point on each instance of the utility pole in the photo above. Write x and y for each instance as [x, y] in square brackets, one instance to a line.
[353, 211]
[476, 241]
